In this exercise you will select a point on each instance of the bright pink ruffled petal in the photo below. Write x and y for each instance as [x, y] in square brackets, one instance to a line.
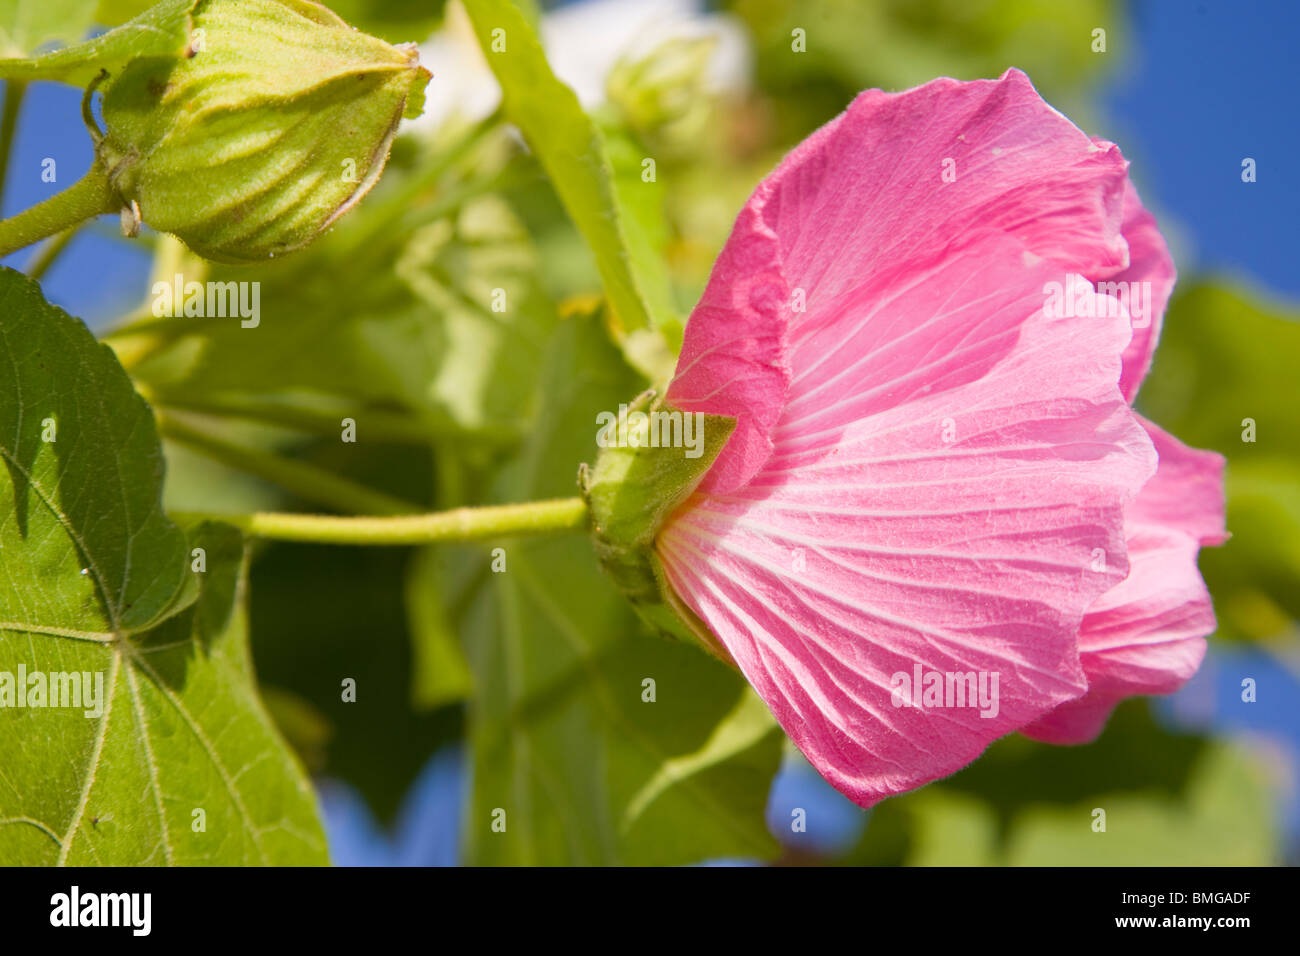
[1186, 493]
[733, 359]
[939, 488]
[1149, 263]
[864, 206]
[1147, 634]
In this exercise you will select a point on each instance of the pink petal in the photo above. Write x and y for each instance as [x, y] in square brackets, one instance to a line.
[733, 355]
[1149, 262]
[1186, 493]
[1147, 634]
[861, 207]
[867, 543]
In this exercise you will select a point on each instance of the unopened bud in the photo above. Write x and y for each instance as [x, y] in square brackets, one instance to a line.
[665, 86]
[274, 122]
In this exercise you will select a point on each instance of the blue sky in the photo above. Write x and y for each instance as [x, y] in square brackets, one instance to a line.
[1206, 85]
[98, 276]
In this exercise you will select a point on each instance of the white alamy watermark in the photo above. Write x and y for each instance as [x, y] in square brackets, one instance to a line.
[74, 908]
[79, 690]
[946, 689]
[654, 429]
[208, 300]
[1076, 297]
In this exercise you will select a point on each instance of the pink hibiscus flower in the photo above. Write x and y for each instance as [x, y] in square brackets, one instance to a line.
[938, 520]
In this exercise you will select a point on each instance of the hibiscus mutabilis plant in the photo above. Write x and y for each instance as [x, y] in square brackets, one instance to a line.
[915, 465]
[922, 514]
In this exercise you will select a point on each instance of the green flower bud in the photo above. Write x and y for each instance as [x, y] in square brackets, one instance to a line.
[664, 93]
[274, 122]
[653, 458]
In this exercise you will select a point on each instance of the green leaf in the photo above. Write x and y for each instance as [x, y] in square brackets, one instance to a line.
[324, 614]
[573, 152]
[162, 30]
[951, 829]
[1170, 799]
[646, 231]
[1224, 378]
[396, 310]
[897, 44]
[112, 12]
[586, 770]
[440, 673]
[744, 727]
[178, 727]
[1226, 819]
[84, 472]
[1226, 355]
[397, 21]
[27, 25]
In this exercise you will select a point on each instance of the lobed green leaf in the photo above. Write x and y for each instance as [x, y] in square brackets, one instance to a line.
[175, 762]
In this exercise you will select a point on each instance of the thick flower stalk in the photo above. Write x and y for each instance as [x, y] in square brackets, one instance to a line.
[937, 519]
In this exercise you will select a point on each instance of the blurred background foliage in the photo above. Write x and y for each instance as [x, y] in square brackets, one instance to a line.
[479, 690]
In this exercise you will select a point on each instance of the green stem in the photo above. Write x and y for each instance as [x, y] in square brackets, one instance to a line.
[89, 196]
[557, 516]
[380, 425]
[14, 91]
[45, 256]
[306, 481]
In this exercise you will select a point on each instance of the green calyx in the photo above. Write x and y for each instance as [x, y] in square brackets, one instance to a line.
[652, 458]
[275, 121]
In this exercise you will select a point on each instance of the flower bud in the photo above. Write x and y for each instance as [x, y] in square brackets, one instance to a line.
[666, 86]
[276, 120]
[652, 458]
